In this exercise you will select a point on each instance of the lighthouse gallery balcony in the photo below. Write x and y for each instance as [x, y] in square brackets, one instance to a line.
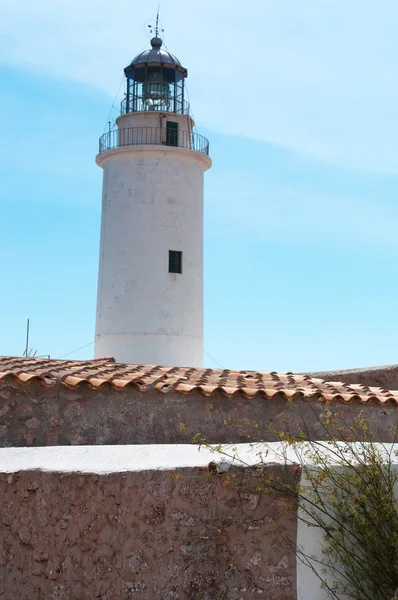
[153, 136]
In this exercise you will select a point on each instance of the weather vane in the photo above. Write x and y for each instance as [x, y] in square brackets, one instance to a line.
[156, 27]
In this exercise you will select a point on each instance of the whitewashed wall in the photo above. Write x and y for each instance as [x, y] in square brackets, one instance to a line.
[310, 540]
[152, 203]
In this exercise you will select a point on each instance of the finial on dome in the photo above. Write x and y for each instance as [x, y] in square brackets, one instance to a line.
[156, 42]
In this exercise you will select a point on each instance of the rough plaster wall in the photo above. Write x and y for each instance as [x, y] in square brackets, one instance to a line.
[38, 416]
[145, 535]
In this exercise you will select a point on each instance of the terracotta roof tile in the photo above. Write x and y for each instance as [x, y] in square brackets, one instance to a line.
[97, 374]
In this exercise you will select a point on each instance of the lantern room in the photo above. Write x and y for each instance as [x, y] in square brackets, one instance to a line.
[155, 82]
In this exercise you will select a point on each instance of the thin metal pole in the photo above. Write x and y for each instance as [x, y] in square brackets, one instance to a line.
[27, 339]
[157, 22]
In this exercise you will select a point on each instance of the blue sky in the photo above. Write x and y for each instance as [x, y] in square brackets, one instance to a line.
[301, 215]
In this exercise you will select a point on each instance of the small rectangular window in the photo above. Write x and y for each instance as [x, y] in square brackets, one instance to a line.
[175, 261]
[171, 133]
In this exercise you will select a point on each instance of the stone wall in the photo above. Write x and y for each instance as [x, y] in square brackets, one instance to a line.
[40, 416]
[36, 416]
[155, 535]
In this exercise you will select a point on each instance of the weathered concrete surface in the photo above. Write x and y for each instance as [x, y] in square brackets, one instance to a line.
[40, 416]
[385, 377]
[155, 535]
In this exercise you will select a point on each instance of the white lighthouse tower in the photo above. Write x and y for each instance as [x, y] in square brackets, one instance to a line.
[150, 283]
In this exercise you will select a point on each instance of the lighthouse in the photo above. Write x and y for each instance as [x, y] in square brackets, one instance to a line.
[150, 282]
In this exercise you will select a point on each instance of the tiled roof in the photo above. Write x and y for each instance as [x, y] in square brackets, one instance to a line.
[96, 374]
[382, 376]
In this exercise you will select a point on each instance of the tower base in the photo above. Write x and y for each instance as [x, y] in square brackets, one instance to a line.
[148, 349]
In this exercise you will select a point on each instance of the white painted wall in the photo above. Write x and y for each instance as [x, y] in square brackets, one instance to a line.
[152, 203]
[310, 540]
[115, 459]
[154, 119]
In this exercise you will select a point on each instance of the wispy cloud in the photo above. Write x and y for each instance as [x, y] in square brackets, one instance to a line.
[315, 77]
[307, 213]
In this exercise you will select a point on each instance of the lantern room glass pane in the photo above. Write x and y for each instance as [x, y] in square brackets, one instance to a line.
[155, 88]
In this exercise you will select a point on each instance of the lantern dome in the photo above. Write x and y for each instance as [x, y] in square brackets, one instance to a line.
[155, 55]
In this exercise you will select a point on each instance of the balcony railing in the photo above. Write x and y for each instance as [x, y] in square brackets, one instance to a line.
[153, 136]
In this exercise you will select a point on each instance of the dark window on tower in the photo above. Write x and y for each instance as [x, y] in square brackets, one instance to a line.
[175, 261]
[171, 133]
